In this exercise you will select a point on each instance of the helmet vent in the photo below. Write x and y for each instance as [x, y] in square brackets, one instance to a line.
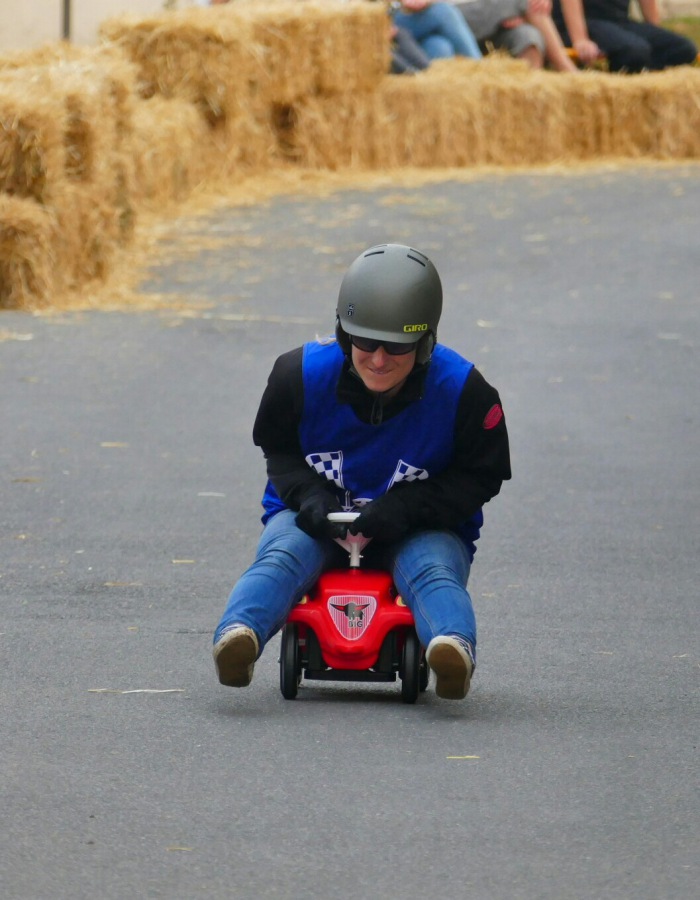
[415, 259]
[377, 252]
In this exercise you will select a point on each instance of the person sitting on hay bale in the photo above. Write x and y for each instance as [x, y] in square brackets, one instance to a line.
[437, 27]
[523, 28]
[629, 45]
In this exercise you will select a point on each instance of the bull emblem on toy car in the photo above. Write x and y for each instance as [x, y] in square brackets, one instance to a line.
[354, 612]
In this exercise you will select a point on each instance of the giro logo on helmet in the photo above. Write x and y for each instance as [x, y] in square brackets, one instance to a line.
[410, 328]
[350, 311]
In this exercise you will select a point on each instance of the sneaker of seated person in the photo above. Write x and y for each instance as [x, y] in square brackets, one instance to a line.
[452, 659]
[234, 655]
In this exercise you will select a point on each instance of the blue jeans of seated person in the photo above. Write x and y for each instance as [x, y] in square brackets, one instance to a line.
[441, 31]
[430, 570]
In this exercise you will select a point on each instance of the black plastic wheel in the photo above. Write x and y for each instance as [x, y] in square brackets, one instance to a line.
[410, 668]
[424, 677]
[290, 670]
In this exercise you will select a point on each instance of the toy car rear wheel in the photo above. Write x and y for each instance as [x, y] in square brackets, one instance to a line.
[424, 677]
[290, 667]
[410, 668]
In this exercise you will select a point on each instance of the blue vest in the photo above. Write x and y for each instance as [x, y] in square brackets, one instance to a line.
[362, 460]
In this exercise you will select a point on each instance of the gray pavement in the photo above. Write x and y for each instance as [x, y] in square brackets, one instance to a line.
[129, 502]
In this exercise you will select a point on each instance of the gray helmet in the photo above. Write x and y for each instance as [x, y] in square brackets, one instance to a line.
[393, 293]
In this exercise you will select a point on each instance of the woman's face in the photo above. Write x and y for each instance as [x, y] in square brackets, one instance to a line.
[380, 372]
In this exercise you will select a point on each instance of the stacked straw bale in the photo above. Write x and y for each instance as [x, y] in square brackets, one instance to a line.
[202, 58]
[499, 112]
[191, 55]
[32, 154]
[673, 117]
[89, 137]
[243, 64]
[652, 116]
[162, 176]
[27, 261]
[318, 47]
[457, 113]
[65, 142]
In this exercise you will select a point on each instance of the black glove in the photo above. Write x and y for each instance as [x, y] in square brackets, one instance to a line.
[313, 513]
[384, 519]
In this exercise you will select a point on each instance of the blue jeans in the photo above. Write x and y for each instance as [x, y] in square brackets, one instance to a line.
[441, 31]
[430, 570]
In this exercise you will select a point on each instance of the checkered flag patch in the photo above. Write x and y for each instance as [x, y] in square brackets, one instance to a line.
[406, 472]
[330, 465]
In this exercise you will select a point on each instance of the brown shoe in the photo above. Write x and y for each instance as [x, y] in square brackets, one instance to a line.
[453, 667]
[234, 656]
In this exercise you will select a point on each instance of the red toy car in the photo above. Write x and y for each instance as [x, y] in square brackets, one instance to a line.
[353, 626]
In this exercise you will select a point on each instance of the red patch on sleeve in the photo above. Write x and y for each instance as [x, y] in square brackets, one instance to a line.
[493, 417]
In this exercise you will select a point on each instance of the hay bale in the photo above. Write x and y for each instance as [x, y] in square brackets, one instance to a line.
[32, 154]
[584, 117]
[353, 51]
[89, 229]
[109, 129]
[79, 118]
[163, 176]
[282, 38]
[465, 113]
[325, 132]
[633, 129]
[517, 117]
[229, 57]
[675, 108]
[99, 99]
[417, 121]
[457, 113]
[48, 54]
[203, 59]
[247, 144]
[96, 109]
[90, 98]
[27, 246]
[655, 115]
[205, 155]
[65, 140]
[311, 46]
[466, 107]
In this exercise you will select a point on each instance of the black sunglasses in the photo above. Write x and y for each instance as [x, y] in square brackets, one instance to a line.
[370, 345]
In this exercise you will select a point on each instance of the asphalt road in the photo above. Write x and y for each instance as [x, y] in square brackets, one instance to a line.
[129, 502]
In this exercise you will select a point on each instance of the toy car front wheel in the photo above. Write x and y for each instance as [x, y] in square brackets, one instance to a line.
[410, 668]
[290, 668]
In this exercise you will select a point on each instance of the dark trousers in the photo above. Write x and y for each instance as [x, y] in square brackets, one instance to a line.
[407, 55]
[635, 46]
